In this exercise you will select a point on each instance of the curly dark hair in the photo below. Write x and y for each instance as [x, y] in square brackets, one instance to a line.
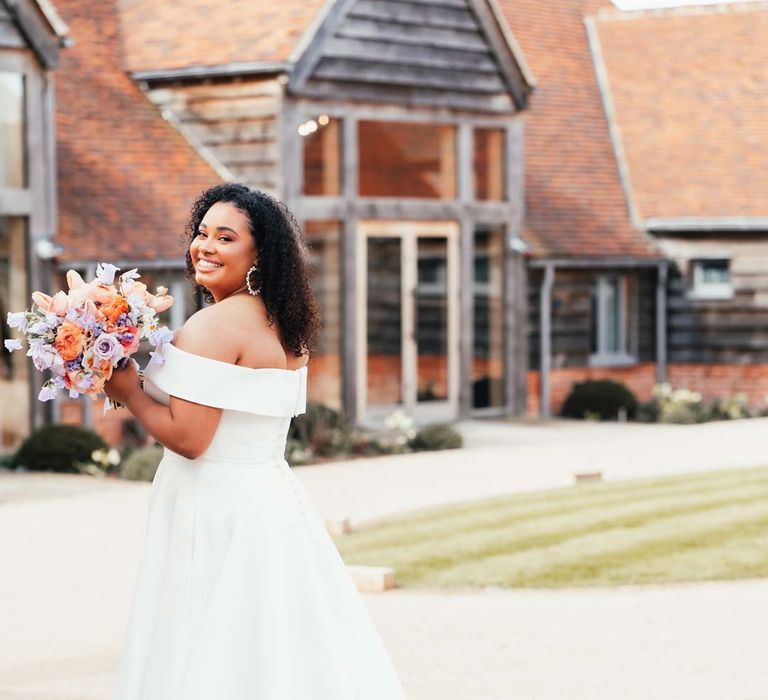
[282, 272]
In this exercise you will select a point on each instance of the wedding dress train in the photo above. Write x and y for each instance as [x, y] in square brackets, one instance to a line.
[241, 593]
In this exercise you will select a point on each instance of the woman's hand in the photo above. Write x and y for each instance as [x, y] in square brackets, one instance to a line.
[123, 383]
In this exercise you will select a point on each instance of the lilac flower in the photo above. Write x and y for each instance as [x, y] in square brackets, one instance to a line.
[47, 393]
[73, 393]
[106, 273]
[160, 336]
[86, 382]
[13, 344]
[59, 382]
[108, 347]
[18, 320]
[156, 358]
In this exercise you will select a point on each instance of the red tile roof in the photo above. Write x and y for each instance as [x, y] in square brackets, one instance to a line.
[185, 33]
[575, 205]
[126, 177]
[690, 92]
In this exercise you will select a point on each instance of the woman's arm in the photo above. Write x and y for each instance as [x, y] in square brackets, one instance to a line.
[184, 427]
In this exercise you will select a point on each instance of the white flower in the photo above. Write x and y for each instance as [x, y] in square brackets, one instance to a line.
[113, 457]
[18, 320]
[12, 344]
[106, 273]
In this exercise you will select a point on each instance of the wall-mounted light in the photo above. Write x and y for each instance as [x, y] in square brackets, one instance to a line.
[46, 249]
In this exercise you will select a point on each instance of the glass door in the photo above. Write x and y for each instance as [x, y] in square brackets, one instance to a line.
[408, 319]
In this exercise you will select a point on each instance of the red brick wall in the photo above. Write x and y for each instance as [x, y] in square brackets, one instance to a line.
[711, 381]
[722, 380]
[639, 378]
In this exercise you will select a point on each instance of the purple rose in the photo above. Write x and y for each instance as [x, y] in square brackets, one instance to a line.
[108, 347]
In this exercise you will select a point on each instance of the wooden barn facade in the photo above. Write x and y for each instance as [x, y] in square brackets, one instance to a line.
[31, 34]
[392, 131]
[475, 250]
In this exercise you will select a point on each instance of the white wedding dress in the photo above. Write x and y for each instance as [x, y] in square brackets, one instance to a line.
[241, 592]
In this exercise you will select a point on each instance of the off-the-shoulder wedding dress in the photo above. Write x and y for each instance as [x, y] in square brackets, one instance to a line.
[241, 592]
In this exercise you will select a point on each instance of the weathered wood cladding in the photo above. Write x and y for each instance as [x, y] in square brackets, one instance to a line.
[237, 123]
[720, 330]
[10, 36]
[416, 52]
[573, 318]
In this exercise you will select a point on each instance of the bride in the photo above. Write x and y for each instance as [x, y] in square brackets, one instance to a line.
[241, 593]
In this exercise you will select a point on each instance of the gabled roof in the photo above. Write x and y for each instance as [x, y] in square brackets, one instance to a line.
[687, 91]
[126, 177]
[574, 201]
[382, 50]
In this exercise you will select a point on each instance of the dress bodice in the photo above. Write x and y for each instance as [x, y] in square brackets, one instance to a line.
[257, 404]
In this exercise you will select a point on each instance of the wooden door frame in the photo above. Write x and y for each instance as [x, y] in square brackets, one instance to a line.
[408, 231]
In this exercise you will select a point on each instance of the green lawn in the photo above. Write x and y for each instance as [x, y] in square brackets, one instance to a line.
[683, 528]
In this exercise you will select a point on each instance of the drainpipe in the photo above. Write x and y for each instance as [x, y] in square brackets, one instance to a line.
[545, 344]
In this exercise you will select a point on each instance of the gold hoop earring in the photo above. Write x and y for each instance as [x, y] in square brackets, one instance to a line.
[251, 290]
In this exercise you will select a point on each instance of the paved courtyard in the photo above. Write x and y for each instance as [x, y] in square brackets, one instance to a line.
[70, 545]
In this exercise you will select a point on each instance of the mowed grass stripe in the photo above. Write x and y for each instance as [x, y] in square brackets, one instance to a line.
[605, 496]
[572, 492]
[595, 558]
[617, 532]
[744, 555]
[474, 544]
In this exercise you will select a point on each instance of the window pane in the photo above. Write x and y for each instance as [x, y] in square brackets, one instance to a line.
[322, 156]
[714, 271]
[489, 164]
[488, 336]
[431, 322]
[407, 160]
[384, 321]
[12, 130]
[324, 239]
[612, 316]
[14, 383]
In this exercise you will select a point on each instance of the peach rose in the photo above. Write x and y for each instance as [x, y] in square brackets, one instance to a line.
[114, 308]
[70, 340]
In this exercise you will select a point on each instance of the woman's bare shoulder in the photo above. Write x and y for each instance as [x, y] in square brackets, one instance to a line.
[242, 336]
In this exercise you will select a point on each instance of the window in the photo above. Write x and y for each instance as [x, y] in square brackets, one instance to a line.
[322, 155]
[399, 159]
[12, 135]
[611, 340]
[488, 164]
[710, 279]
[488, 312]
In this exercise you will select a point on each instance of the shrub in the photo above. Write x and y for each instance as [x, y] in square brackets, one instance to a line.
[58, 448]
[142, 464]
[602, 398]
[321, 431]
[436, 437]
[730, 408]
[679, 405]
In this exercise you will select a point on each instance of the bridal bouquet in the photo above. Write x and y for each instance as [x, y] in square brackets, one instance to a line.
[83, 334]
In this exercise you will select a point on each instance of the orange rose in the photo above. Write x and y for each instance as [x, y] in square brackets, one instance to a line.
[118, 305]
[70, 340]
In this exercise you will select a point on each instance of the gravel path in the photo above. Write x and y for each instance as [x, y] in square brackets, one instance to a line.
[70, 547]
